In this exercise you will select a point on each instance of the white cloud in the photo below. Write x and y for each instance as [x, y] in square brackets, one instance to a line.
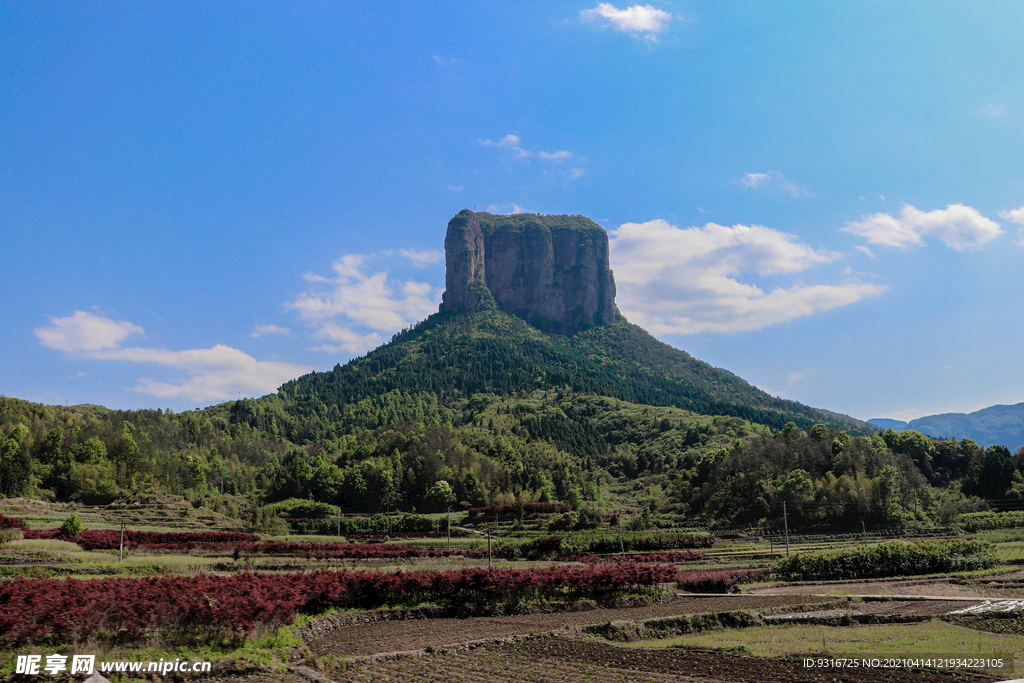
[218, 373]
[560, 155]
[423, 258]
[794, 377]
[509, 142]
[774, 182]
[685, 281]
[346, 340]
[264, 330]
[456, 188]
[502, 209]
[85, 332]
[865, 250]
[992, 111]
[446, 61]
[353, 306]
[1015, 216]
[637, 19]
[576, 173]
[959, 227]
[513, 144]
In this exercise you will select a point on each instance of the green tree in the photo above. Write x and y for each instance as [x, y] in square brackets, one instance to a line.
[996, 475]
[574, 498]
[797, 488]
[440, 496]
[72, 526]
[919, 447]
[125, 455]
[91, 451]
[15, 462]
[819, 432]
[52, 447]
[197, 470]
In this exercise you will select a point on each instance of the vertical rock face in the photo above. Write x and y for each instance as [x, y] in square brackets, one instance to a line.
[551, 271]
[464, 263]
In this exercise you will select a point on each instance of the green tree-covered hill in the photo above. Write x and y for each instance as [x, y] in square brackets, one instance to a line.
[453, 357]
[490, 410]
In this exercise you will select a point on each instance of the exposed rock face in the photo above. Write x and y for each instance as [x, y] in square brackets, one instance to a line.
[551, 271]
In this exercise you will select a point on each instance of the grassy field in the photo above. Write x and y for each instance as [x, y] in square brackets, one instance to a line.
[933, 638]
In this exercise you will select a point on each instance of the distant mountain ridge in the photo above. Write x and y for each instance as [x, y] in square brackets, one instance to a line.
[1001, 425]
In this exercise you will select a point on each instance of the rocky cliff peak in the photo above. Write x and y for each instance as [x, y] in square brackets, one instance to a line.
[551, 271]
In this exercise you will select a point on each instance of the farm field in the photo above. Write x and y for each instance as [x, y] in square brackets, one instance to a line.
[661, 606]
[417, 634]
[581, 660]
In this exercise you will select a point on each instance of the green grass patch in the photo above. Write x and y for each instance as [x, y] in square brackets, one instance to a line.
[935, 638]
[41, 545]
[1001, 535]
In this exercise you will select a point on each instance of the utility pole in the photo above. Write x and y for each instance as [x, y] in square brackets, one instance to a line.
[864, 532]
[121, 559]
[488, 548]
[785, 523]
[449, 527]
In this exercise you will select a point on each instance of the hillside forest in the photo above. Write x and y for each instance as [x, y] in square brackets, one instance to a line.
[403, 452]
[464, 411]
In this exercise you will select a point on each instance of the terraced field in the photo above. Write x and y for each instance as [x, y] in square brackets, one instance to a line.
[568, 659]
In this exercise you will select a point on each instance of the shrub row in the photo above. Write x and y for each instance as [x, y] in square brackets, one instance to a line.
[300, 507]
[516, 510]
[377, 524]
[667, 557]
[978, 521]
[377, 538]
[718, 580]
[888, 559]
[361, 551]
[594, 544]
[11, 523]
[110, 539]
[53, 610]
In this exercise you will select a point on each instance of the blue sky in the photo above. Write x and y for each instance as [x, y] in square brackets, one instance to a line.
[202, 201]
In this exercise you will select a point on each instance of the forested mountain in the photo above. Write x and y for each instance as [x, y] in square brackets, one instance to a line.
[481, 408]
[452, 357]
[1000, 425]
[527, 386]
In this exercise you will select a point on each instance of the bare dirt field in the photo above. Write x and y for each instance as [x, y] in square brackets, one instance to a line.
[571, 659]
[404, 635]
[436, 649]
